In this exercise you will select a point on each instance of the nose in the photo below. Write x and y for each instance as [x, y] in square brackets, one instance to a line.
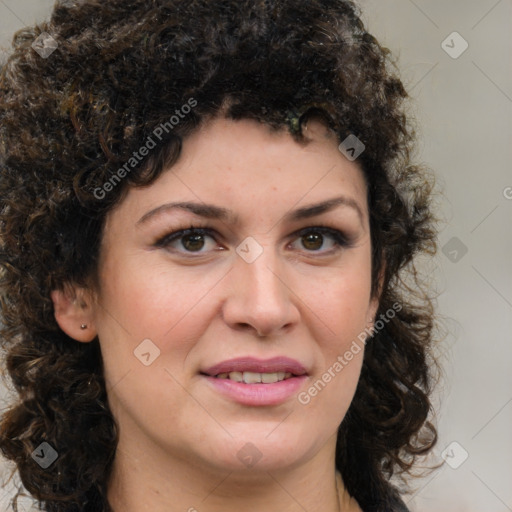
[260, 300]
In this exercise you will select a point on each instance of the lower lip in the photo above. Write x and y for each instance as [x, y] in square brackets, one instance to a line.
[257, 394]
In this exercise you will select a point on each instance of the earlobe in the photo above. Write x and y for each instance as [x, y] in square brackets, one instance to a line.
[372, 312]
[374, 306]
[375, 300]
[74, 313]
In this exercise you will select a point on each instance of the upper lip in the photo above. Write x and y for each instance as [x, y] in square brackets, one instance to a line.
[252, 364]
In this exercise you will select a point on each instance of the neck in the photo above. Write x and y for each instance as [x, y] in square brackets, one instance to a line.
[150, 480]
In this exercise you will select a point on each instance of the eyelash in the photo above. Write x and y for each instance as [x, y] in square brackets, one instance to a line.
[339, 238]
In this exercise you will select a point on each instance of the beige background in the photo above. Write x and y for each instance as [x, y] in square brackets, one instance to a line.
[463, 106]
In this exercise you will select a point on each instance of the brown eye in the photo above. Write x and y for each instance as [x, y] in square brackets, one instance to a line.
[321, 239]
[186, 241]
[313, 241]
[193, 242]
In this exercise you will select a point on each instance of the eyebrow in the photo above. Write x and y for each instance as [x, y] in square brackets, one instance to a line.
[323, 207]
[208, 211]
[211, 211]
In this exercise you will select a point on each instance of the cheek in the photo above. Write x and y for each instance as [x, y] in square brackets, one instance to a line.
[342, 303]
[340, 310]
[141, 301]
[340, 314]
[149, 303]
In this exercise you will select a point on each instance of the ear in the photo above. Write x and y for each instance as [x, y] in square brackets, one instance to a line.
[375, 299]
[74, 312]
[372, 311]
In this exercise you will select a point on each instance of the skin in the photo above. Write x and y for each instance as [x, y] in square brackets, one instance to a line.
[179, 437]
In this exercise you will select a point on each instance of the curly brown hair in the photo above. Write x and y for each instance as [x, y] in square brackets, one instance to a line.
[70, 120]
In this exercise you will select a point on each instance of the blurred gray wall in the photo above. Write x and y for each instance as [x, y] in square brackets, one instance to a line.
[455, 58]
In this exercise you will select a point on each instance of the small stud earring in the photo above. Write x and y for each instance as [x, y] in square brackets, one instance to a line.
[83, 326]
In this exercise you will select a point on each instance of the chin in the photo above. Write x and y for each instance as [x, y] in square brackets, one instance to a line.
[260, 448]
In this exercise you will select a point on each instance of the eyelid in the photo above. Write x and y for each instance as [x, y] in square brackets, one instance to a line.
[178, 233]
[340, 238]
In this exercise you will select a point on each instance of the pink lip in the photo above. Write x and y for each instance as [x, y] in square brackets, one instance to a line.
[251, 364]
[257, 394]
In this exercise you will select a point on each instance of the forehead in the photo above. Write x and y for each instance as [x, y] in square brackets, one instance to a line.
[248, 168]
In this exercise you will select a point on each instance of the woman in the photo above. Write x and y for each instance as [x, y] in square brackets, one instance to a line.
[209, 222]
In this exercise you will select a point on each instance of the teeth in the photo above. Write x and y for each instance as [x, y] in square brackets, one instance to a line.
[236, 376]
[252, 377]
[255, 377]
[268, 378]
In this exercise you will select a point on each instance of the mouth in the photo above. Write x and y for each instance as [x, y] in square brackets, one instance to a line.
[255, 377]
[253, 371]
[255, 382]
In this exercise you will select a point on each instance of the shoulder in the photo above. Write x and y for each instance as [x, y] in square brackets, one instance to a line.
[391, 504]
[398, 505]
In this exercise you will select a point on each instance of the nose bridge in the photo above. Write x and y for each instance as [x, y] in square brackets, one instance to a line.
[259, 297]
[261, 277]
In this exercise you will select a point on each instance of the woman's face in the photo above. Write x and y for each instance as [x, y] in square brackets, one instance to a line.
[260, 291]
